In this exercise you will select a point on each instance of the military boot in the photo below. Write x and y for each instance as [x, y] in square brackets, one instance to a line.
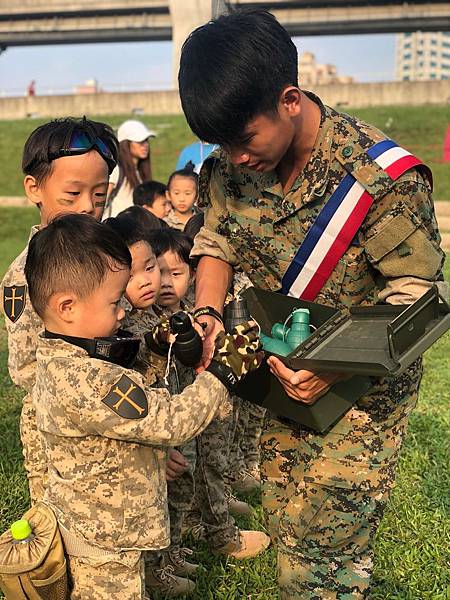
[162, 580]
[248, 545]
[176, 557]
[239, 508]
[245, 482]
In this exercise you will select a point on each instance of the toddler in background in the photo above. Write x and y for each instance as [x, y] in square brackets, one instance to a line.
[167, 571]
[172, 249]
[182, 191]
[151, 195]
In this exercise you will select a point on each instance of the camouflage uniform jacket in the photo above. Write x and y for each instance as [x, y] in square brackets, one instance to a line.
[22, 323]
[256, 227]
[105, 432]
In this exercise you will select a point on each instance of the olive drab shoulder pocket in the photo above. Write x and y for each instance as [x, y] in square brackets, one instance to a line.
[399, 246]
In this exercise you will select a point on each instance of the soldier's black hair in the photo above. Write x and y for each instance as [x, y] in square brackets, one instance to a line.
[51, 137]
[187, 171]
[72, 254]
[145, 193]
[232, 70]
[169, 239]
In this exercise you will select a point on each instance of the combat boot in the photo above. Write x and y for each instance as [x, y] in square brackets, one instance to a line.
[245, 483]
[162, 579]
[248, 545]
[239, 508]
[176, 557]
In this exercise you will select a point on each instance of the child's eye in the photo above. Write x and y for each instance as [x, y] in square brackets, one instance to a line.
[73, 193]
[100, 194]
[150, 267]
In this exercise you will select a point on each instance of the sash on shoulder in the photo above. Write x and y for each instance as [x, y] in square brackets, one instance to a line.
[333, 230]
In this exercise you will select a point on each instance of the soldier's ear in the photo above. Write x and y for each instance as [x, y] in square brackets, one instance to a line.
[290, 100]
[33, 190]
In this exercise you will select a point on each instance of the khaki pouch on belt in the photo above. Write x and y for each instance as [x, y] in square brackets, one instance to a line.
[34, 569]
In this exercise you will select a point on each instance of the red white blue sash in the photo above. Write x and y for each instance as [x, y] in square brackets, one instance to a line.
[333, 230]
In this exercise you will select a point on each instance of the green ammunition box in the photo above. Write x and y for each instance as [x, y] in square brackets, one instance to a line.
[367, 341]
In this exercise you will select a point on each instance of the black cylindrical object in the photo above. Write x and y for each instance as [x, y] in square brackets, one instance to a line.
[235, 313]
[188, 346]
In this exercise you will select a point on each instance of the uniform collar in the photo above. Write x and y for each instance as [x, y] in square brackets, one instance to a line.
[48, 346]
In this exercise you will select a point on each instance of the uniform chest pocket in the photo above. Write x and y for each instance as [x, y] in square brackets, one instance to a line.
[244, 221]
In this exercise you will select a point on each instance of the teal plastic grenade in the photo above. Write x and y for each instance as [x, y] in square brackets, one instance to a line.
[299, 330]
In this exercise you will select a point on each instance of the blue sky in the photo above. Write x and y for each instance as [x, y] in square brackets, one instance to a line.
[127, 66]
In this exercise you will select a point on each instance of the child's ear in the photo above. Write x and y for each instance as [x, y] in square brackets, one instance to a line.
[32, 189]
[168, 195]
[64, 306]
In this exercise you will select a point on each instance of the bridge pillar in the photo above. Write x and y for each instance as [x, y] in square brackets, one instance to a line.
[186, 16]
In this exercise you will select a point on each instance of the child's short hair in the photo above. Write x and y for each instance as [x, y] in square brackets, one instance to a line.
[72, 254]
[145, 193]
[169, 239]
[256, 57]
[187, 171]
[127, 228]
[52, 140]
[143, 218]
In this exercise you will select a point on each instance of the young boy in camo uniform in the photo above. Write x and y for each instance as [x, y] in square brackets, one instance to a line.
[105, 430]
[67, 164]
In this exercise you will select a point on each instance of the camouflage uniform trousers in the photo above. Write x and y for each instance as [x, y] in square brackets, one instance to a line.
[103, 578]
[181, 491]
[211, 477]
[245, 452]
[35, 460]
[324, 495]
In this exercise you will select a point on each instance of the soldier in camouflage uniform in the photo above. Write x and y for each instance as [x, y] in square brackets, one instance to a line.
[105, 430]
[45, 176]
[284, 155]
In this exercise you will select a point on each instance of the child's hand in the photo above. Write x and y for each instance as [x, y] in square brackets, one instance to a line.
[159, 338]
[176, 465]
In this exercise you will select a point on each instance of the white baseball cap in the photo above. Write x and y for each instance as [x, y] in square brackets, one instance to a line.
[134, 131]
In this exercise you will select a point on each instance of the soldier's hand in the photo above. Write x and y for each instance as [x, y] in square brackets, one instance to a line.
[304, 386]
[236, 354]
[176, 465]
[208, 327]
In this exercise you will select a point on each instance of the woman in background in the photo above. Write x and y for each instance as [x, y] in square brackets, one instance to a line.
[134, 166]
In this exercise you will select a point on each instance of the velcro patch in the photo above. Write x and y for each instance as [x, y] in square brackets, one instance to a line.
[127, 399]
[14, 300]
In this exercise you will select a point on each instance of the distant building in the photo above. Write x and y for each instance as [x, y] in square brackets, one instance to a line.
[91, 86]
[423, 56]
[311, 73]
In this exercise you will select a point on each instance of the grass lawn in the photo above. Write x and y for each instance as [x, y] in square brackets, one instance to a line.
[412, 543]
[420, 129]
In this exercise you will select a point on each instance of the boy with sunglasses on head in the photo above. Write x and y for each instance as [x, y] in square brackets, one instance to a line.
[67, 164]
[106, 430]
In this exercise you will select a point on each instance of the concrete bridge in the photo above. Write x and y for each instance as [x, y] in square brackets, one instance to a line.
[33, 22]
